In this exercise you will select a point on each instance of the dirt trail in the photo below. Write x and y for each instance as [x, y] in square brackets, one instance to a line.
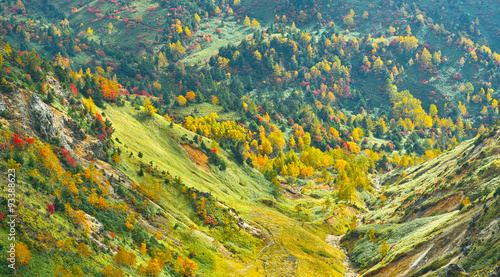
[335, 240]
[350, 270]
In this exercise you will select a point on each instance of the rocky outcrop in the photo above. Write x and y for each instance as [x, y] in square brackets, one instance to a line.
[3, 107]
[94, 225]
[41, 117]
[96, 230]
[33, 117]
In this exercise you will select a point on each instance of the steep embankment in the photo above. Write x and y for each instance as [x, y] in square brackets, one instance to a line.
[434, 216]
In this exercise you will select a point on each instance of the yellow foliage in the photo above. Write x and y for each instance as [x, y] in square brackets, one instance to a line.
[23, 254]
[149, 108]
[181, 100]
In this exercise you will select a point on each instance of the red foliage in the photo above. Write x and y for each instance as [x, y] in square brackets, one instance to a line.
[70, 160]
[29, 140]
[1, 216]
[100, 53]
[64, 152]
[19, 142]
[73, 89]
[50, 209]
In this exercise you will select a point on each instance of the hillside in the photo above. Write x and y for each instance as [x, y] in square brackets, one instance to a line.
[442, 212]
[249, 138]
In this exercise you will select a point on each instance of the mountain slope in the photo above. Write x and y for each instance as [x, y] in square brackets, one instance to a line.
[442, 212]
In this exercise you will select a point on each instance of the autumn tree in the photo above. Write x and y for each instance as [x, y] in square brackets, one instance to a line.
[246, 21]
[255, 23]
[349, 19]
[426, 58]
[149, 108]
[124, 257]
[384, 249]
[191, 96]
[215, 100]
[83, 250]
[110, 27]
[23, 254]
[116, 158]
[181, 100]
[162, 60]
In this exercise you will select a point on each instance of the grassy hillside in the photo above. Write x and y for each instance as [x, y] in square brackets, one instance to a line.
[250, 138]
[240, 188]
[434, 214]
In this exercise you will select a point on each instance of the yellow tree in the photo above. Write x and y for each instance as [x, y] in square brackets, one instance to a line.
[349, 19]
[143, 249]
[110, 27]
[246, 21]
[83, 250]
[149, 108]
[181, 100]
[162, 60]
[433, 110]
[23, 254]
[116, 158]
[426, 58]
[255, 23]
[215, 100]
[257, 55]
[345, 187]
[384, 247]
[377, 65]
[191, 96]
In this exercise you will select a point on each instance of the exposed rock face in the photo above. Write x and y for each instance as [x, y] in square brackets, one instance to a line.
[56, 87]
[41, 116]
[36, 118]
[94, 224]
[453, 270]
[2, 106]
[96, 229]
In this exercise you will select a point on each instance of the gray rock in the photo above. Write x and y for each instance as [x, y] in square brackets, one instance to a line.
[41, 116]
[98, 150]
[3, 107]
